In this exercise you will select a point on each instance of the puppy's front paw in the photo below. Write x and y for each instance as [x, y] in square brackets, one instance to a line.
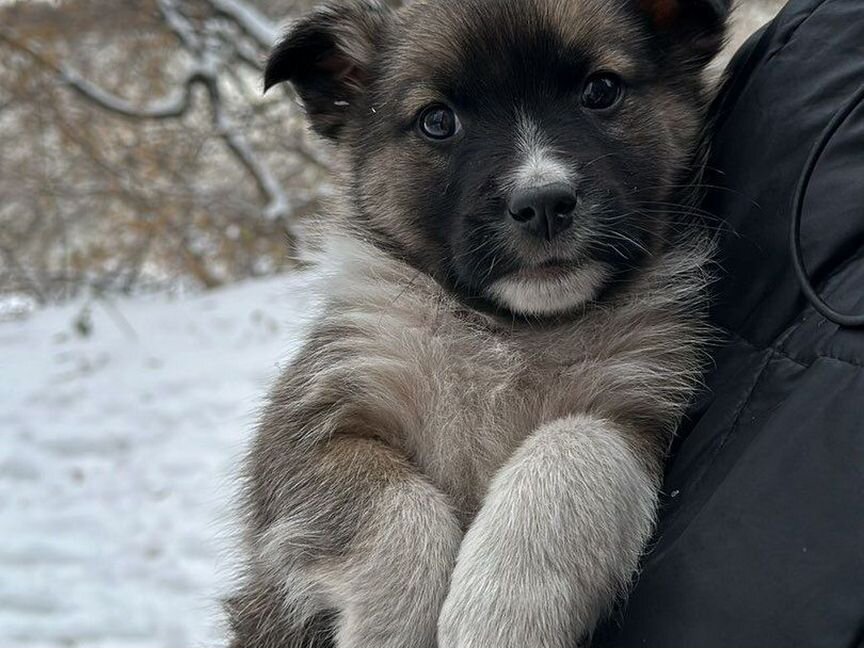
[499, 599]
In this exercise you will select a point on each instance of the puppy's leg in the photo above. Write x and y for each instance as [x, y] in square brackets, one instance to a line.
[558, 537]
[361, 532]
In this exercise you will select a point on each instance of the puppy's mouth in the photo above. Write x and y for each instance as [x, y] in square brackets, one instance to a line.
[550, 288]
[546, 271]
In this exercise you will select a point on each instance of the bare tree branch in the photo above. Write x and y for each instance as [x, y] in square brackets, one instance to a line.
[250, 20]
[170, 107]
[180, 25]
[278, 205]
[174, 105]
[185, 182]
[209, 64]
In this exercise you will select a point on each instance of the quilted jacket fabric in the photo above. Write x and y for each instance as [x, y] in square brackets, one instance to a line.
[761, 539]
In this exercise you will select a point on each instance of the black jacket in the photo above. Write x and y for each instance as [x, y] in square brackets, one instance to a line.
[761, 540]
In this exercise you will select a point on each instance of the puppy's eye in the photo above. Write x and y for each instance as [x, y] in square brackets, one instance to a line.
[438, 122]
[602, 91]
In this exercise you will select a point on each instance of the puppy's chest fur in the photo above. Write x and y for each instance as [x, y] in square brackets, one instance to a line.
[465, 394]
[458, 391]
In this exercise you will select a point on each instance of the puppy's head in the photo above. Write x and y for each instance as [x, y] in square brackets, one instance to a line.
[523, 152]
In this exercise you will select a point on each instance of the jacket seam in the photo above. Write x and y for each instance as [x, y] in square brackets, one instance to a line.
[654, 559]
[794, 31]
[785, 354]
[800, 320]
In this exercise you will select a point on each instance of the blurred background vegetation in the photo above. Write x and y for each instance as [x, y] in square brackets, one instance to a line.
[139, 153]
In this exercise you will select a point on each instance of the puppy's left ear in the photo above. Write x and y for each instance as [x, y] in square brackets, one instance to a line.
[327, 55]
[697, 28]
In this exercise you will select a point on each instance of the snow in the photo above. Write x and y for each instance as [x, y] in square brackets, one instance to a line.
[117, 451]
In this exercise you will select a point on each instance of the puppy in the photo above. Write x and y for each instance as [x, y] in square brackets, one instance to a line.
[467, 451]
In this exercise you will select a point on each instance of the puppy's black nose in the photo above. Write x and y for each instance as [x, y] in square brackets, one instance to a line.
[545, 211]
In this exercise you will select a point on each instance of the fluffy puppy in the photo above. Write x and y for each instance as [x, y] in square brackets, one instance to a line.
[467, 451]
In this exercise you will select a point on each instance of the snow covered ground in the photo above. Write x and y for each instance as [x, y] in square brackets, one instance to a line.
[116, 456]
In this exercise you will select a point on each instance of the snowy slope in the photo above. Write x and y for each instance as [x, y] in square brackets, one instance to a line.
[116, 452]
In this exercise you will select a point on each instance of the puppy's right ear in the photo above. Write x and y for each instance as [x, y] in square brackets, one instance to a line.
[326, 56]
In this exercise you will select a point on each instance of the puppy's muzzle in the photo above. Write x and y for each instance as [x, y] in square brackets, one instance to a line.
[543, 212]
